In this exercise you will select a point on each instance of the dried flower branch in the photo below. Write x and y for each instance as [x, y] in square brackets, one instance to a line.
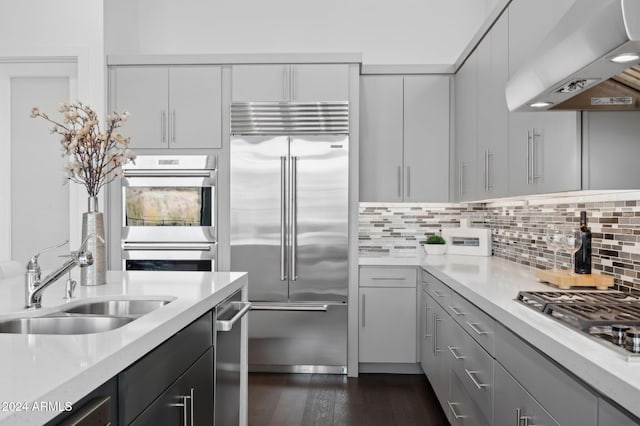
[95, 158]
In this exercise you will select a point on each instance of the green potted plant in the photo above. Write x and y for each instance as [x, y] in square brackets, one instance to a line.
[435, 244]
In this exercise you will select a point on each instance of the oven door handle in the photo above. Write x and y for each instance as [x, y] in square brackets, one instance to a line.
[164, 247]
[169, 173]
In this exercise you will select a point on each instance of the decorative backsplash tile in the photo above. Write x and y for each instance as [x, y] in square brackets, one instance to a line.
[518, 229]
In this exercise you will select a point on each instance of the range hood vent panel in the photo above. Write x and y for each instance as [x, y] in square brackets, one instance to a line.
[579, 48]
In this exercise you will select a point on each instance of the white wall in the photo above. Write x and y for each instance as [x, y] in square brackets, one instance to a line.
[386, 32]
[71, 28]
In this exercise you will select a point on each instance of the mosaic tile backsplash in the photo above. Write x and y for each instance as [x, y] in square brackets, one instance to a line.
[518, 229]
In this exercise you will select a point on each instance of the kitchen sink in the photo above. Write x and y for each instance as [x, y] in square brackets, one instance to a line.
[118, 308]
[76, 324]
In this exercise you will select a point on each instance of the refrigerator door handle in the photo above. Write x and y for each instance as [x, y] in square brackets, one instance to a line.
[283, 218]
[293, 217]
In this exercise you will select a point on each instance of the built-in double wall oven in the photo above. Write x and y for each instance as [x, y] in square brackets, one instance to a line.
[169, 213]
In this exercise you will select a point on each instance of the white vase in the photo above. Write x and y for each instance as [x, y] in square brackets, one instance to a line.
[435, 248]
[93, 223]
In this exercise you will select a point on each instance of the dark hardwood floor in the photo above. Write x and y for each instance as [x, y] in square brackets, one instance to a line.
[324, 399]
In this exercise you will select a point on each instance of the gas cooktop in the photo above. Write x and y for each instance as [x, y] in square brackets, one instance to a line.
[612, 317]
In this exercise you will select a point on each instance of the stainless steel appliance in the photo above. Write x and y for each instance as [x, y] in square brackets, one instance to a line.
[179, 256]
[289, 230]
[169, 198]
[228, 359]
[169, 213]
[611, 317]
[589, 61]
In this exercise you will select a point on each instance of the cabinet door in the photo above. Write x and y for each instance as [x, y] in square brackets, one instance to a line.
[493, 114]
[381, 124]
[611, 149]
[426, 138]
[195, 99]
[513, 405]
[144, 92]
[544, 152]
[319, 82]
[188, 401]
[466, 125]
[425, 332]
[387, 324]
[441, 341]
[260, 83]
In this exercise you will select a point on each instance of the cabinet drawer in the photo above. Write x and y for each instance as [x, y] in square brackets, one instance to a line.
[462, 410]
[552, 387]
[190, 397]
[474, 368]
[512, 401]
[387, 276]
[478, 324]
[143, 381]
[436, 288]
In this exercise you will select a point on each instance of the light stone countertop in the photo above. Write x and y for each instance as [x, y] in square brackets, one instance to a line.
[492, 284]
[64, 368]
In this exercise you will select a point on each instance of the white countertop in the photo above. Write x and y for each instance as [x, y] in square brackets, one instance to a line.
[492, 284]
[64, 368]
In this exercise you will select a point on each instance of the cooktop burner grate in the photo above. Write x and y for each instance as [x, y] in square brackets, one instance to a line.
[595, 313]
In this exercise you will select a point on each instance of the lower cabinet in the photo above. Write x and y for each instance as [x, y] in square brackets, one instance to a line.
[387, 320]
[608, 415]
[483, 374]
[189, 401]
[162, 374]
[514, 405]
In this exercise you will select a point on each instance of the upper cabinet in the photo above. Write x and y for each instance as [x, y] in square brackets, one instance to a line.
[404, 138]
[544, 147]
[466, 118]
[492, 174]
[171, 107]
[499, 153]
[290, 83]
[610, 150]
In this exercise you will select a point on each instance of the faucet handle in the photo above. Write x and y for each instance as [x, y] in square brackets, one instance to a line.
[32, 265]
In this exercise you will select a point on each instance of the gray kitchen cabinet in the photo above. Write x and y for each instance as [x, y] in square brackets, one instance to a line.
[171, 107]
[290, 83]
[151, 376]
[404, 151]
[387, 320]
[547, 383]
[609, 415]
[544, 147]
[610, 150]
[466, 142]
[493, 114]
[188, 401]
[514, 405]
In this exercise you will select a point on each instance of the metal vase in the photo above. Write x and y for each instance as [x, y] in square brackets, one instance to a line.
[93, 222]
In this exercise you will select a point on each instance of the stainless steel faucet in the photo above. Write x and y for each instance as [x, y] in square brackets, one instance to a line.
[34, 285]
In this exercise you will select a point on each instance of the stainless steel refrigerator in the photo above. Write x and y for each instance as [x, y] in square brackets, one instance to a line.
[289, 230]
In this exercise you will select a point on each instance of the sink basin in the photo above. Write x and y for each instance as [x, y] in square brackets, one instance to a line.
[62, 325]
[118, 308]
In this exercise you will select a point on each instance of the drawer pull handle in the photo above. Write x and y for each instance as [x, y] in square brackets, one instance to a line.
[437, 293]
[474, 327]
[389, 278]
[453, 411]
[471, 375]
[456, 311]
[453, 352]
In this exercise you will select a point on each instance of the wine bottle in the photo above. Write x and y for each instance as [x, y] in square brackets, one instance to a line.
[583, 256]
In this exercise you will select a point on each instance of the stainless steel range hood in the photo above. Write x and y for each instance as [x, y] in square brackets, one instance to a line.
[574, 67]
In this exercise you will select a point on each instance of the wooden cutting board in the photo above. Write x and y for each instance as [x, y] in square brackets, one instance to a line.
[566, 280]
